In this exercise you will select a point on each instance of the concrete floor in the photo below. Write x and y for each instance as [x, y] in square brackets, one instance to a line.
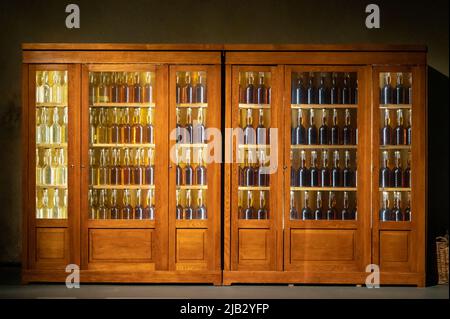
[11, 288]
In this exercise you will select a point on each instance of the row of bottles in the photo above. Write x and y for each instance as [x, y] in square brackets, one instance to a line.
[51, 203]
[191, 88]
[51, 167]
[121, 87]
[395, 213]
[252, 93]
[186, 174]
[313, 176]
[121, 126]
[121, 166]
[399, 93]
[252, 173]
[188, 211]
[320, 213]
[107, 205]
[249, 211]
[324, 135]
[400, 135]
[51, 87]
[51, 125]
[397, 176]
[324, 88]
[191, 131]
[259, 135]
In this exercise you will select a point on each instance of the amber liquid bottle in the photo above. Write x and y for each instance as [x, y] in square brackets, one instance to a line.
[138, 170]
[188, 210]
[137, 129]
[262, 211]
[114, 88]
[249, 171]
[386, 130]
[148, 89]
[114, 131]
[125, 127]
[178, 97]
[102, 208]
[149, 210]
[303, 172]
[129, 89]
[126, 168]
[122, 81]
[312, 129]
[178, 170]
[318, 212]
[149, 170]
[137, 94]
[178, 207]
[293, 210]
[149, 129]
[114, 169]
[179, 129]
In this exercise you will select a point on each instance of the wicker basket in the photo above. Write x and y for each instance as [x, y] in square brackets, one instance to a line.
[442, 259]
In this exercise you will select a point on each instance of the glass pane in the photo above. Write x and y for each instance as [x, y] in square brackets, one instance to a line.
[395, 146]
[190, 157]
[254, 145]
[51, 144]
[324, 138]
[121, 145]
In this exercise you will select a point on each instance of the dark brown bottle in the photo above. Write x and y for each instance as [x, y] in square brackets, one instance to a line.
[346, 213]
[409, 96]
[385, 211]
[249, 211]
[262, 137]
[187, 92]
[199, 130]
[261, 90]
[335, 130]
[188, 128]
[137, 88]
[307, 213]
[115, 169]
[323, 129]
[332, 213]
[148, 89]
[138, 170]
[348, 176]
[178, 90]
[138, 209]
[386, 96]
[122, 87]
[200, 89]
[322, 93]
[399, 131]
[336, 171]
[386, 130]
[299, 92]
[200, 211]
[312, 129]
[115, 211]
[293, 212]
[407, 173]
[263, 176]
[400, 91]
[149, 210]
[149, 170]
[397, 213]
[188, 210]
[298, 135]
[249, 171]
[314, 171]
[188, 170]
[178, 207]
[325, 171]
[249, 131]
[178, 171]
[149, 129]
[179, 129]
[129, 89]
[200, 170]
[407, 211]
[262, 213]
[310, 90]
[303, 172]
[346, 90]
[293, 178]
[250, 90]
[114, 88]
[127, 210]
[334, 90]
[347, 131]
[398, 172]
[409, 129]
[318, 212]
[385, 172]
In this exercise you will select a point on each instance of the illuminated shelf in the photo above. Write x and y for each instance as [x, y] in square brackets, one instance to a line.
[104, 145]
[253, 188]
[193, 187]
[51, 145]
[254, 106]
[301, 146]
[111, 104]
[395, 147]
[324, 189]
[192, 145]
[395, 106]
[254, 146]
[131, 186]
[324, 106]
[51, 186]
[394, 189]
[192, 105]
[51, 104]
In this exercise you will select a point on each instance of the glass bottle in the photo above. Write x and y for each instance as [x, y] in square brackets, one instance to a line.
[397, 174]
[307, 213]
[346, 213]
[39, 87]
[409, 129]
[114, 208]
[261, 90]
[199, 130]
[346, 94]
[179, 129]
[102, 208]
[57, 89]
[318, 212]
[188, 90]
[55, 128]
[178, 90]
[250, 89]
[123, 87]
[299, 132]
[332, 213]
[102, 89]
[56, 209]
[334, 90]
[178, 170]
[201, 212]
[93, 204]
[92, 127]
[249, 211]
[46, 168]
[44, 211]
[47, 88]
[386, 131]
[150, 169]
[249, 171]
[335, 130]
[312, 129]
[39, 174]
[178, 207]
[138, 209]
[397, 213]
[299, 93]
[314, 171]
[409, 101]
[385, 212]
[127, 209]
[262, 137]
[348, 176]
[61, 175]
[294, 181]
[325, 171]
[292, 209]
[310, 90]
[102, 174]
[323, 129]
[138, 170]
[54, 167]
[355, 209]
[407, 173]
[188, 128]
[188, 211]
[92, 88]
[149, 129]
[114, 133]
[322, 91]
[137, 88]
[149, 210]
[355, 94]
[303, 172]
[126, 168]
[129, 88]
[399, 131]
[125, 127]
[114, 88]
[200, 170]
[407, 211]
[102, 135]
[400, 92]
[148, 89]
[262, 211]
[188, 170]
[336, 171]
[200, 89]
[249, 132]
[385, 172]
[65, 127]
[262, 174]
[137, 129]
[386, 96]
[347, 131]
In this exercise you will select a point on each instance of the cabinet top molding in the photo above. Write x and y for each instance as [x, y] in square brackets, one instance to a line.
[221, 47]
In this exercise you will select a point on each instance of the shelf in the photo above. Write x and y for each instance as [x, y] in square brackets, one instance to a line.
[51, 104]
[324, 106]
[253, 188]
[111, 104]
[254, 106]
[51, 186]
[131, 186]
[395, 106]
[106, 145]
[51, 145]
[395, 147]
[309, 147]
[197, 145]
[324, 189]
[394, 189]
[254, 146]
[192, 105]
[193, 187]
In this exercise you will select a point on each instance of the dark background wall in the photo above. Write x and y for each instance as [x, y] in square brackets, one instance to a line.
[226, 21]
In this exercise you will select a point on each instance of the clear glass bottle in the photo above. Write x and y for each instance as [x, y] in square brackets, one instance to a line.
[262, 136]
[47, 88]
[149, 210]
[188, 210]
[178, 207]
[201, 212]
[102, 174]
[61, 169]
[126, 168]
[114, 208]
[39, 173]
[56, 209]
[93, 204]
[127, 209]
[102, 207]
[92, 127]
[65, 127]
[102, 130]
[149, 170]
[57, 88]
[137, 129]
[292, 209]
[262, 213]
[46, 168]
[39, 87]
[45, 210]
[138, 209]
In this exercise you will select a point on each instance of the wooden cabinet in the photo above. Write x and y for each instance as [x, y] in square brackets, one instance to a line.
[324, 163]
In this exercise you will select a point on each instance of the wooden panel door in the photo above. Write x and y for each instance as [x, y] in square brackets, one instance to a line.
[327, 176]
[256, 171]
[124, 178]
[399, 179]
[51, 213]
[194, 168]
